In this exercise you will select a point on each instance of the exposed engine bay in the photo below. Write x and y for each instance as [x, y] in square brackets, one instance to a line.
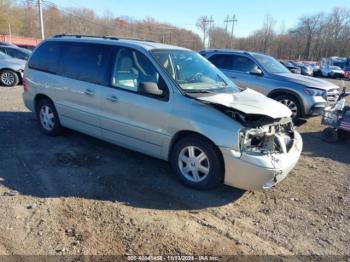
[262, 134]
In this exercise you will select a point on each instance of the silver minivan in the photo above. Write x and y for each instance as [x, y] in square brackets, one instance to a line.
[164, 101]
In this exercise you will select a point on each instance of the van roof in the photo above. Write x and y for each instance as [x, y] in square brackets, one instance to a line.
[145, 44]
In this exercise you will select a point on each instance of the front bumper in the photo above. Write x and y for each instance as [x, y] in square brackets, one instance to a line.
[314, 105]
[251, 172]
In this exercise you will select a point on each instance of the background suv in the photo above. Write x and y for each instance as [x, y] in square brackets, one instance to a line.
[305, 96]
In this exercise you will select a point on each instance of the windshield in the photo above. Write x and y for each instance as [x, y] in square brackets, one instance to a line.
[270, 64]
[191, 71]
[339, 64]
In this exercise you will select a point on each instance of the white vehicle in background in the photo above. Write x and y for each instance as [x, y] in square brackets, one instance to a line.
[333, 66]
[11, 70]
[335, 72]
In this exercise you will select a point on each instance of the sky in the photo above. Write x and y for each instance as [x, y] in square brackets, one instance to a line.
[184, 13]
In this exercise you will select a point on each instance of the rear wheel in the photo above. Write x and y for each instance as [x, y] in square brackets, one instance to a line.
[9, 78]
[47, 115]
[292, 103]
[197, 162]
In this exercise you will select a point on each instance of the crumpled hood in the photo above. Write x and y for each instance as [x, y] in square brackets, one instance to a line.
[249, 102]
[307, 81]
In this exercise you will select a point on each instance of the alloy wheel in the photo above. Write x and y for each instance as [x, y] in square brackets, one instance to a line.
[7, 78]
[193, 164]
[291, 105]
[47, 118]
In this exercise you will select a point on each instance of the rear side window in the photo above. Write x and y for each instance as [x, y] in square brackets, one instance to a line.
[86, 62]
[222, 61]
[46, 57]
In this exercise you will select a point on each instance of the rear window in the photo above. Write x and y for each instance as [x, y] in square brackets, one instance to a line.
[86, 62]
[46, 57]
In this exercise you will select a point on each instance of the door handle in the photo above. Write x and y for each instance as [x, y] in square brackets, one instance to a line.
[233, 77]
[112, 99]
[89, 92]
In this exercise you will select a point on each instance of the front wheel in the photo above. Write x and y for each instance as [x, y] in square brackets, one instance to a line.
[292, 103]
[197, 162]
[9, 78]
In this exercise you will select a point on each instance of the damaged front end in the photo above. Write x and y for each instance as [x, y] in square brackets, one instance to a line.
[268, 146]
[262, 134]
[272, 138]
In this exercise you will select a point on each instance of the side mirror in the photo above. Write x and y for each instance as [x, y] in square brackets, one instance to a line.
[256, 72]
[149, 88]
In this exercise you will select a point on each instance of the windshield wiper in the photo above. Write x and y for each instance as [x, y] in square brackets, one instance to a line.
[203, 91]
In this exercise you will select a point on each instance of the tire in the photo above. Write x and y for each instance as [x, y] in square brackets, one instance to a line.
[292, 103]
[9, 78]
[210, 170]
[47, 117]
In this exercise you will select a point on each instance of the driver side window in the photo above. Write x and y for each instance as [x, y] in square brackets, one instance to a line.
[244, 64]
[132, 68]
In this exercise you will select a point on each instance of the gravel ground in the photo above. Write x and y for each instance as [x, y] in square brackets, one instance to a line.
[77, 195]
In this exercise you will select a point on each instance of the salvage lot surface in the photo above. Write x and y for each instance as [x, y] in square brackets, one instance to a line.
[77, 195]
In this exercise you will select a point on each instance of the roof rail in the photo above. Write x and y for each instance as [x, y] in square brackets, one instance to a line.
[104, 37]
[92, 36]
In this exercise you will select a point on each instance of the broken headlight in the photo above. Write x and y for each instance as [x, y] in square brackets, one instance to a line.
[267, 139]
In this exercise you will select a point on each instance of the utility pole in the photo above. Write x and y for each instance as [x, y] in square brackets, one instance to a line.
[210, 22]
[41, 19]
[226, 25]
[234, 20]
[10, 33]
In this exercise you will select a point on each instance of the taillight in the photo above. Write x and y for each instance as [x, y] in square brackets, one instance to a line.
[25, 84]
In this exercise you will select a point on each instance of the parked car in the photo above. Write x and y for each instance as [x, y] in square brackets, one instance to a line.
[16, 52]
[328, 65]
[334, 72]
[11, 70]
[291, 67]
[164, 101]
[305, 96]
[28, 47]
[305, 69]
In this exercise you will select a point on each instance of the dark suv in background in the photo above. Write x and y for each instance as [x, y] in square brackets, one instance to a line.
[304, 96]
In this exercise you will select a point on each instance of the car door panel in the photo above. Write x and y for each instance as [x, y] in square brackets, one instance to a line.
[131, 119]
[78, 110]
[135, 121]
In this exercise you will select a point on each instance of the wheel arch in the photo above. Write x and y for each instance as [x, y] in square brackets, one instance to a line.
[39, 97]
[184, 133]
[277, 92]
